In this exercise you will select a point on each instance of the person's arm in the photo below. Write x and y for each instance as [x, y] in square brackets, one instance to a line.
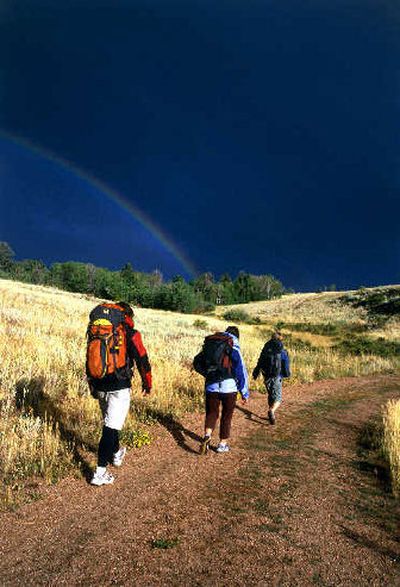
[260, 362]
[285, 364]
[138, 354]
[92, 389]
[240, 374]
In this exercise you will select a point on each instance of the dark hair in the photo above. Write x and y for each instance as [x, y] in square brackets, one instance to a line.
[126, 308]
[233, 330]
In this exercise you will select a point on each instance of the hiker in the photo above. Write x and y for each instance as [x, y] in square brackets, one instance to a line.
[274, 364]
[222, 365]
[113, 347]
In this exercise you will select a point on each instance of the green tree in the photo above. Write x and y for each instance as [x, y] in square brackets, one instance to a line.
[91, 277]
[71, 276]
[226, 290]
[127, 272]
[156, 278]
[243, 286]
[6, 257]
[266, 287]
[180, 296]
[205, 285]
[103, 283]
[30, 271]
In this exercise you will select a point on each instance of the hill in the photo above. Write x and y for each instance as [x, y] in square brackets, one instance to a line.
[362, 306]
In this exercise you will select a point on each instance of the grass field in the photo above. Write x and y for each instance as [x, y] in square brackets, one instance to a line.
[391, 442]
[47, 415]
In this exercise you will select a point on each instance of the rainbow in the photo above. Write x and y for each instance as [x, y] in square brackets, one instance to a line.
[110, 193]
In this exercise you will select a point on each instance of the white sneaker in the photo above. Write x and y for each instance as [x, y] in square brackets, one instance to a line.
[119, 457]
[222, 448]
[102, 479]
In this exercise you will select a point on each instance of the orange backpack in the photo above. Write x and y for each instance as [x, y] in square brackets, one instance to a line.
[107, 343]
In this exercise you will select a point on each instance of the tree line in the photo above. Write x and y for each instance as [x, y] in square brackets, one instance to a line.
[148, 290]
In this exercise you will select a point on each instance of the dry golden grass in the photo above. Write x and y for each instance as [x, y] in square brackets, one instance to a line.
[391, 441]
[46, 410]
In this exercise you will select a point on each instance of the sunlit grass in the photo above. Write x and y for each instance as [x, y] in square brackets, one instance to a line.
[391, 441]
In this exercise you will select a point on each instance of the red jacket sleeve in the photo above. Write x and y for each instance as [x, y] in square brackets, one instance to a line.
[138, 353]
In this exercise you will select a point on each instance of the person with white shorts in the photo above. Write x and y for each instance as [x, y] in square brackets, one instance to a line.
[113, 393]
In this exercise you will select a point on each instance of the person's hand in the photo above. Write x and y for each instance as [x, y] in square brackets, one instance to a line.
[245, 400]
[146, 390]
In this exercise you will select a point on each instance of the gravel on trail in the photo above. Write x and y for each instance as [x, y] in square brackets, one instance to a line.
[291, 504]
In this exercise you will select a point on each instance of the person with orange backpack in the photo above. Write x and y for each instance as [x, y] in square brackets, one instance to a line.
[113, 347]
[221, 363]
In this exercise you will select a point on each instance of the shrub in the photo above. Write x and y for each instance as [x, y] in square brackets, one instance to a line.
[296, 343]
[382, 301]
[240, 316]
[204, 307]
[237, 316]
[201, 324]
[325, 329]
[366, 346]
[135, 438]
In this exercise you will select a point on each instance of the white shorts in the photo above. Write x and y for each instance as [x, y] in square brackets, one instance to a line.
[114, 406]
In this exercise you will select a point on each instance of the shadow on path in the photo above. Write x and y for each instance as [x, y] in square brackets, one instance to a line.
[368, 543]
[251, 415]
[175, 428]
[179, 432]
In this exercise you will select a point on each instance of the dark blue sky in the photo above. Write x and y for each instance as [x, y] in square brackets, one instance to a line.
[259, 135]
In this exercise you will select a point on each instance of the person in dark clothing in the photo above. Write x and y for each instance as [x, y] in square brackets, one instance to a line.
[221, 387]
[113, 393]
[274, 364]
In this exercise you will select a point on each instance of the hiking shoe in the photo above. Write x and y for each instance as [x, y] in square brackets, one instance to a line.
[271, 417]
[222, 448]
[102, 479]
[119, 456]
[205, 445]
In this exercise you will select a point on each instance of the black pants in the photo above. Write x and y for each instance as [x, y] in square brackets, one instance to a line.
[109, 444]
[228, 401]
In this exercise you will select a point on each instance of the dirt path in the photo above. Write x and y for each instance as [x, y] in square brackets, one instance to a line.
[290, 505]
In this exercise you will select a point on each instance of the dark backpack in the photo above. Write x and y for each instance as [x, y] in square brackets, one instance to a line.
[214, 362]
[107, 343]
[271, 360]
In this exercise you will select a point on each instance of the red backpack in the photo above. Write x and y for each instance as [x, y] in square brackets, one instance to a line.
[107, 342]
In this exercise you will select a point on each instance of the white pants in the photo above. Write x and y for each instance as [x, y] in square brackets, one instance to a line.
[114, 406]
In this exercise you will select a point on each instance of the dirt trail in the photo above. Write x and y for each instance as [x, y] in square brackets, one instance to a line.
[290, 505]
